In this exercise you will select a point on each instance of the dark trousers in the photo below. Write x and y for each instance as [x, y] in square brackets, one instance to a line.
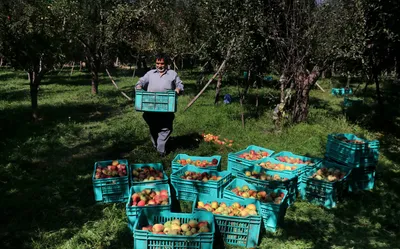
[161, 126]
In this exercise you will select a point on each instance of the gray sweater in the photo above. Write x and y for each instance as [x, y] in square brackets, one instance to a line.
[152, 81]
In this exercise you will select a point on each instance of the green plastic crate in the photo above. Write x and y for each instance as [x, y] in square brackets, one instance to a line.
[348, 102]
[299, 171]
[132, 212]
[155, 101]
[190, 189]
[234, 230]
[341, 91]
[325, 193]
[237, 164]
[157, 166]
[176, 166]
[355, 155]
[290, 184]
[147, 240]
[314, 161]
[362, 179]
[110, 190]
[272, 214]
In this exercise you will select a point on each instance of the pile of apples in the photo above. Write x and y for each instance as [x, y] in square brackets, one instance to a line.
[150, 197]
[353, 141]
[293, 160]
[328, 175]
[198, 163]
[262, 196]
[175, 227]
[264, 177]
[277, 166]
[212, 138]
[253, 155]
[146, 174]
[114, 170]
[196, 176]
[234, 210]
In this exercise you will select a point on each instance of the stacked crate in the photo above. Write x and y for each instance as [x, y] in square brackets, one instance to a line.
[360, 154]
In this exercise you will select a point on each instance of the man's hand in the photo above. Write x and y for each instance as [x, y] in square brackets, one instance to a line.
[177, 90]
[138, 87]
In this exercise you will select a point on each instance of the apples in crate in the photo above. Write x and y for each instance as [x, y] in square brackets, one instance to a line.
[197, 176]
[277, 166]
[223, 209]
[174, 227]
[262, 196]
[253, 155]
[115, 169]
[329, 175]
[149, 197]
[145, 174]
[198, 163]
[293, 160]
[263, 176]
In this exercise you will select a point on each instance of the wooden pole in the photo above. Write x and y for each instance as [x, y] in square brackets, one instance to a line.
[208, 83]
[116, 86]
[320, 87]
[212, 78]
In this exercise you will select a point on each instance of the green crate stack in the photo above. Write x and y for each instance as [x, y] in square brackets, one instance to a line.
[326, 193]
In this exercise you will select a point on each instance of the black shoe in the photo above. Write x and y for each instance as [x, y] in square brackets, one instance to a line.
[162, 154]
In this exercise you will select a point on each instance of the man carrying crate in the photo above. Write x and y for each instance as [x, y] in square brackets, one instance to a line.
[160, 79]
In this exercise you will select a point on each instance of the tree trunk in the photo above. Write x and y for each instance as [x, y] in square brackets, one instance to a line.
[95, 81]
[398, 66]
[218, 89]
[1, 61]
[348, 79]
[34, 82]
[303, 87]
[283, 80]
[378, 94]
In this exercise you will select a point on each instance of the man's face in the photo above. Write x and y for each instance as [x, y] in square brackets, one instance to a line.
[160, 65]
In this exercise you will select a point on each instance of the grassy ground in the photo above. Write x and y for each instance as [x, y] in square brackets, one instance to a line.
[46, 166]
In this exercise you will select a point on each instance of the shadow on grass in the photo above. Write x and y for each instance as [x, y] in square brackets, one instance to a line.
[47, 184]
[187, 141]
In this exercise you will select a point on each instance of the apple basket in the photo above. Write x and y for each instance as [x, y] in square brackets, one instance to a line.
[240, 229]
[133, 211]
[159, 240]
[273, 211]
[189, 190]
[247, 157]
[199, 161]
[113, 188]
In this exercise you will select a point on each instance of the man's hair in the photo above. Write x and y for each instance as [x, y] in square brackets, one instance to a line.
[164, 57]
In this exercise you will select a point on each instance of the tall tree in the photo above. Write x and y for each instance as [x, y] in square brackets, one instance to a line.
[30, 33]
[99, 26]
